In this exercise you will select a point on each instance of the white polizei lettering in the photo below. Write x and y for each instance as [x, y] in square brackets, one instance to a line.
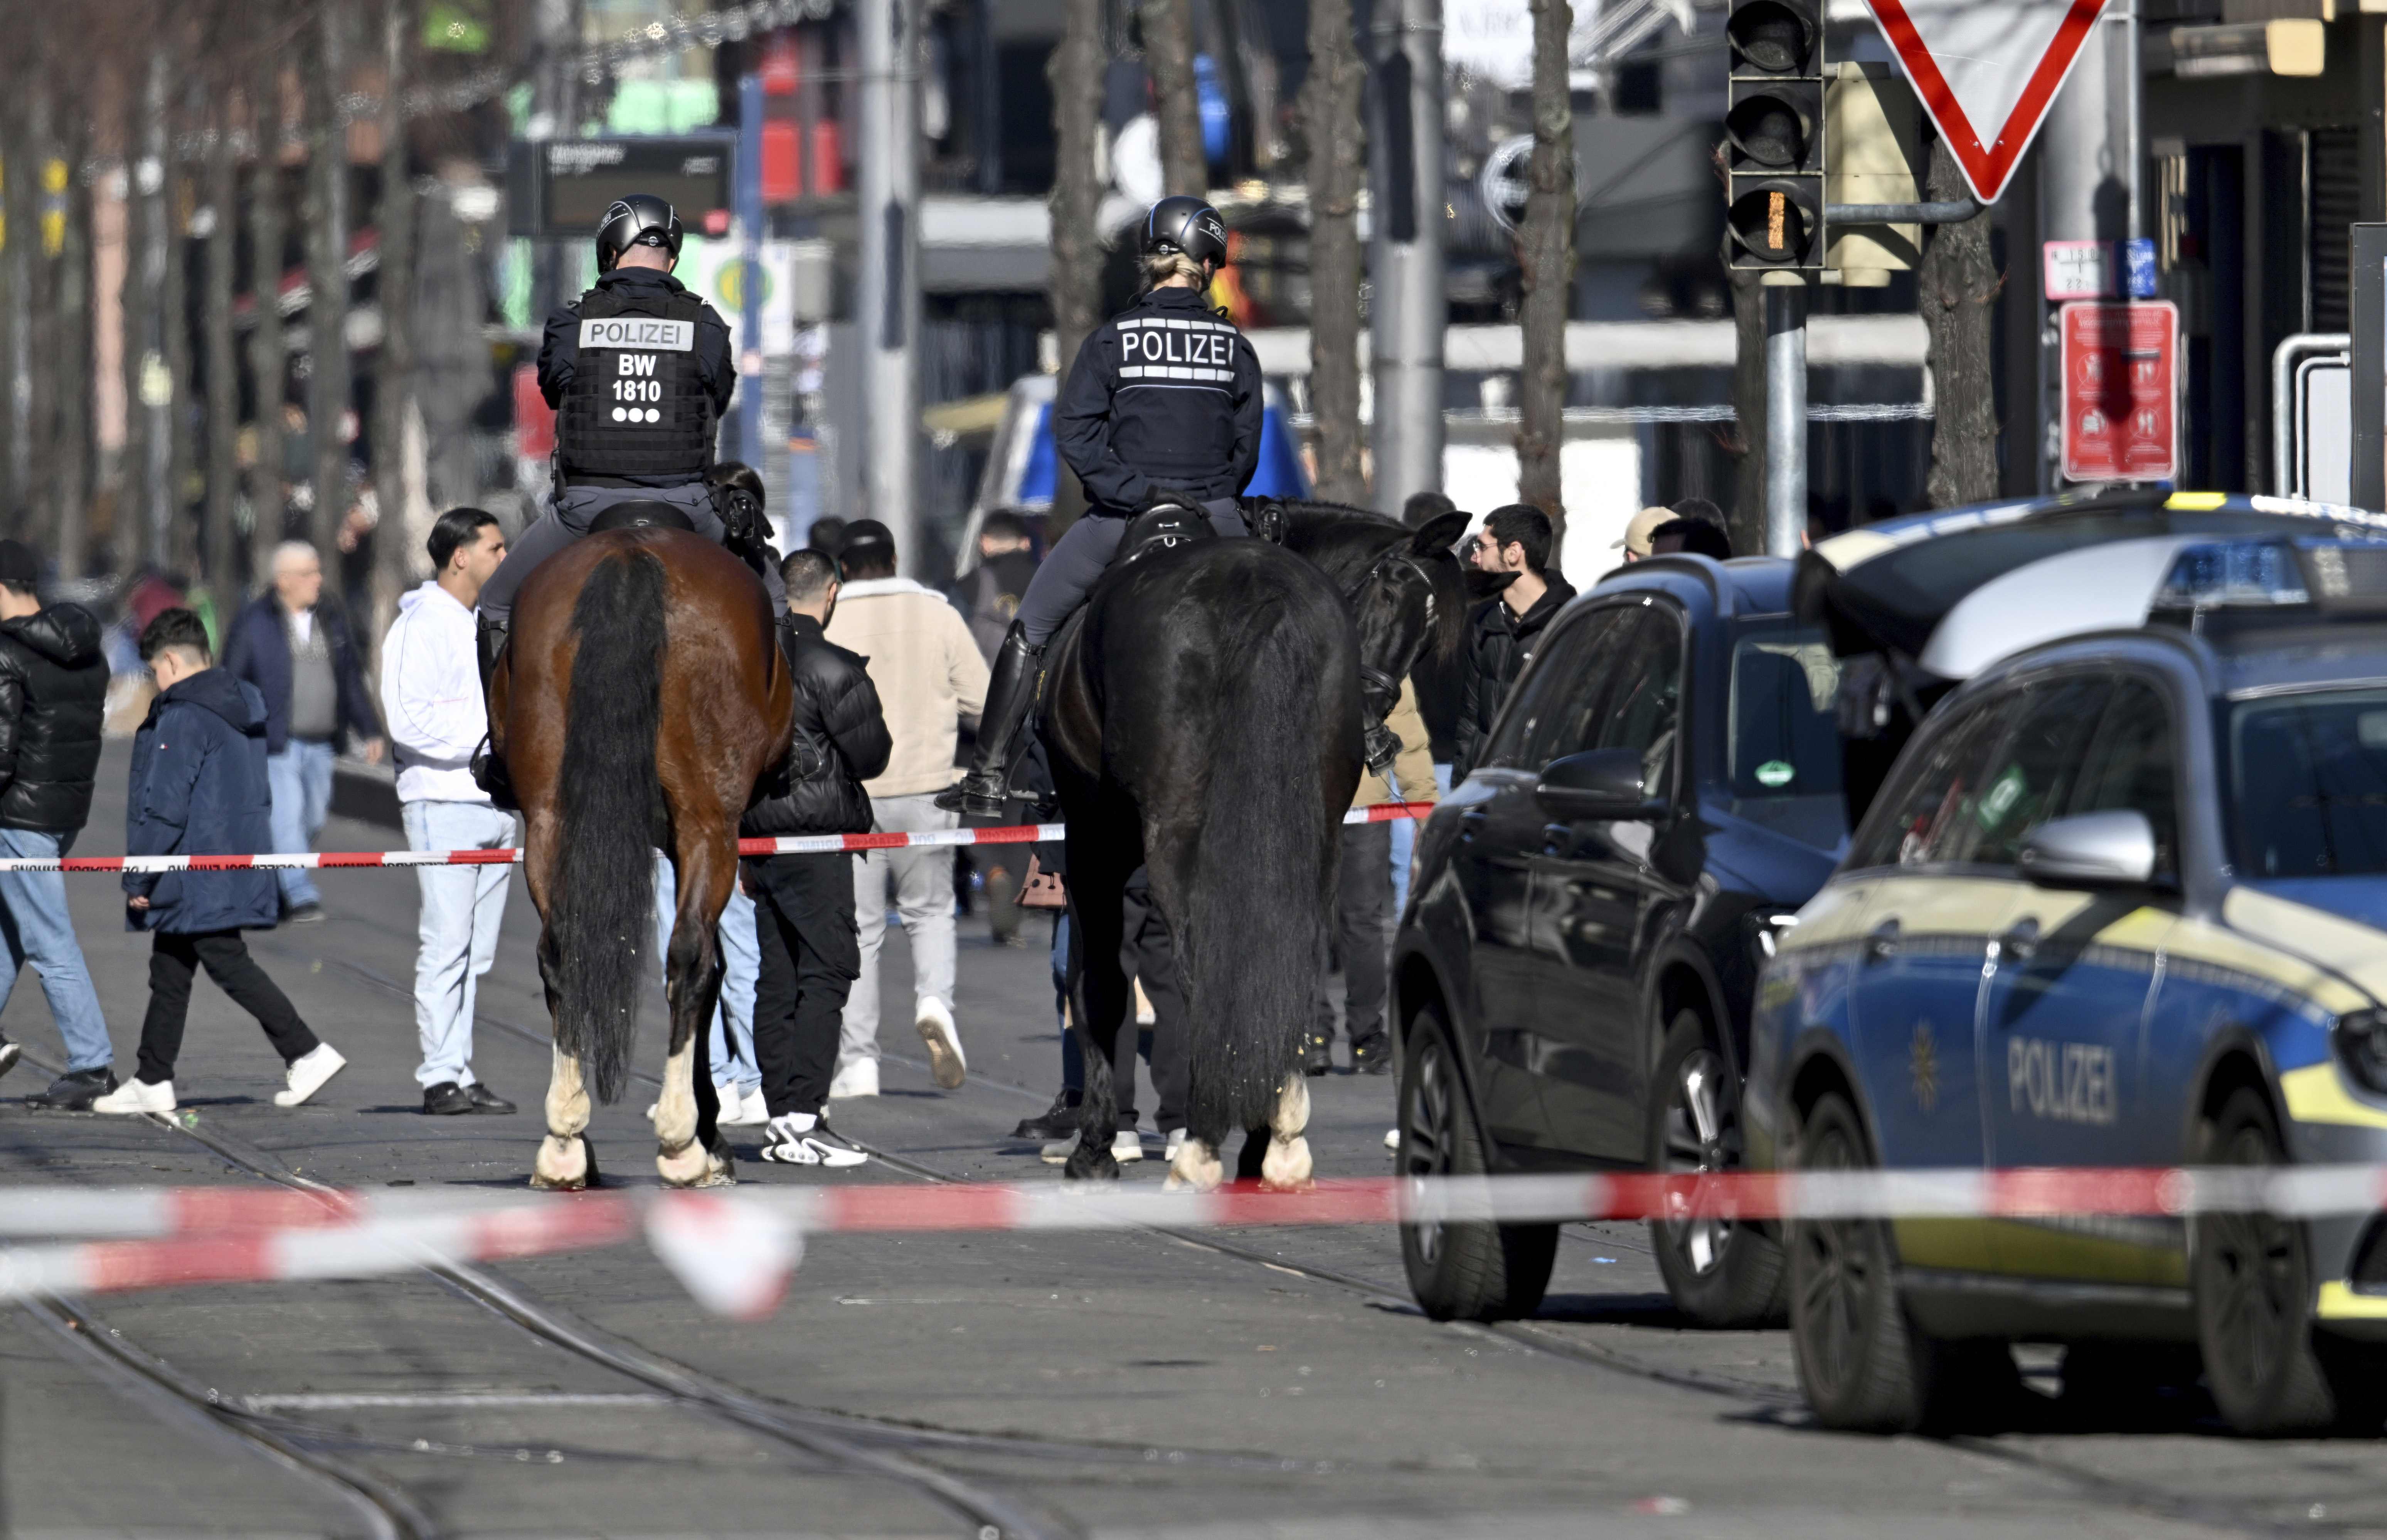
[670, 336]
[2065, 1082]
[1131, 344]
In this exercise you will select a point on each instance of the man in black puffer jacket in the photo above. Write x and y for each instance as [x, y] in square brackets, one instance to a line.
[53, 695]
[803, 904]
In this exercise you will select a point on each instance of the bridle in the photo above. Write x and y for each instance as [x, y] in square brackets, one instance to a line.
[1381, 687]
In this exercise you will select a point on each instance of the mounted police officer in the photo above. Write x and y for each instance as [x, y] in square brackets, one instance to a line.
[638, 372]
[1161, 409]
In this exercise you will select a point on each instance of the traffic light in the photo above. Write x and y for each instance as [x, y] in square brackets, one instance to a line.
[1773, 128]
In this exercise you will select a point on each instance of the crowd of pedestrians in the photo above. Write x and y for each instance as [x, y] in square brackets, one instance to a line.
[236, 757]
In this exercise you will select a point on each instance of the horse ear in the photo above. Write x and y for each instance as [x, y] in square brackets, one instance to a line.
[1439, 532]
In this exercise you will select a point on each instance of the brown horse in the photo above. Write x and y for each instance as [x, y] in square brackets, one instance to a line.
[682, 705]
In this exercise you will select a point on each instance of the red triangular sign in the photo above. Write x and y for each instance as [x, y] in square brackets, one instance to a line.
[1985, 70]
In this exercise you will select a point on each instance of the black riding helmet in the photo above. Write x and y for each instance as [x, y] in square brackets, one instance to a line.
[1185, 224]
[642, 218]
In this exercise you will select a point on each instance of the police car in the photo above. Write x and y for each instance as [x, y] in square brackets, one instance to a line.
[2121, 901]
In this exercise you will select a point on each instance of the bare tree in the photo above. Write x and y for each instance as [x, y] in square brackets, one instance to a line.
[1546, 254]
[1330, 115]
[327, 279]
[70, 481]
[269, 356]
[394, 552]
[1169, 54]
[144, 212]
[1958, 285]
[1074, 279]
[179, 549]
[222, 364]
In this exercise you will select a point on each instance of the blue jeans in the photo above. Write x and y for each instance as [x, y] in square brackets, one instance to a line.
[1405, 846]
[300, 779]
[741, 958]
[463, 908]
[34, 924]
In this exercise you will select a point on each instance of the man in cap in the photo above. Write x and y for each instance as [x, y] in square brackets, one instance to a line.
[1635, 544]
[53, 694]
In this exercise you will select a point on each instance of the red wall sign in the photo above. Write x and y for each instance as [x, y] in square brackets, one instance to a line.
[2121, 371]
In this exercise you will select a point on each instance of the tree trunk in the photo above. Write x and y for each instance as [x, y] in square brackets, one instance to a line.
[1074, 279]
[223, 367]
[269, 357]
[396, 557]
[139, 310]
[327, 287]
[1546, 254]
[16, 181]
[70, 485]
[179, 550]
[1747, 445]
[1169, 54]
[1956, 288]
[41, 450]
[1330, 115]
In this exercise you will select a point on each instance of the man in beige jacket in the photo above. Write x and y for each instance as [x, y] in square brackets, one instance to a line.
[1363, 920]
[929, 674]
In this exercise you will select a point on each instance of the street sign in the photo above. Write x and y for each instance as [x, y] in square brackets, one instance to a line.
[2085, 270]
[2121, 369]
[1987, 70]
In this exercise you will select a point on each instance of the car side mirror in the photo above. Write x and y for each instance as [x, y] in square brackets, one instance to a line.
[2091, 850]
[1600, 783]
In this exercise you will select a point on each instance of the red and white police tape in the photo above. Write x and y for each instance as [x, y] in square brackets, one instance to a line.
[803, 844]
[734, 1251]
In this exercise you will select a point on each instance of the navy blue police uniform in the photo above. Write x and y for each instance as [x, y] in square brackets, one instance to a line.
[638, 372]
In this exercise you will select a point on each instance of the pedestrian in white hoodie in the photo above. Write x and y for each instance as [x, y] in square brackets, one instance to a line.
[929, 674]
[431, 692]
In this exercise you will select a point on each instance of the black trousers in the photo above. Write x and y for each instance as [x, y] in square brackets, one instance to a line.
[1362, 936]
[1145, 952]
[174, 961]
[811, 955]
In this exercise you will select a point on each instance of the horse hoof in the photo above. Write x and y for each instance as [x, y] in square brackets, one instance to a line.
[563, 1165]
[1196, 1169]
[1090, 1162]
[1286, 1167]
[689, 1166]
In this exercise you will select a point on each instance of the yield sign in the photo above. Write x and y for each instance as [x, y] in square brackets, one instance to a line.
[1987, 70]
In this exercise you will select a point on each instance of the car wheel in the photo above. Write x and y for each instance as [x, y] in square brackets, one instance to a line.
[2269, 1372]
[1864, 1364]
[1459, 1272]
[1720, 1274]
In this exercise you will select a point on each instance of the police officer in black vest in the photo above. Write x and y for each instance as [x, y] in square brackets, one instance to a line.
[1162, 407]
[639, 373]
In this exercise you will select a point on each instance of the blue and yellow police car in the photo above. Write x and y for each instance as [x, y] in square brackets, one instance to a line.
[2121, 901]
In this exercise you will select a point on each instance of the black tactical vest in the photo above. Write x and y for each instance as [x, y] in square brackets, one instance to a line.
[636, 405]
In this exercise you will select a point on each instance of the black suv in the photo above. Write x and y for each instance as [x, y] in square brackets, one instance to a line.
[1590, 909]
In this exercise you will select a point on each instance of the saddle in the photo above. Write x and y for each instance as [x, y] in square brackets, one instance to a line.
[1169, 524]
[645, 513]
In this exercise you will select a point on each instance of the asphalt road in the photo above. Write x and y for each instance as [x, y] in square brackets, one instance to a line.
[1108, 1384]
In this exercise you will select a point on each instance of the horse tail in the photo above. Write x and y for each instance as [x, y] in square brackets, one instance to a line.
[604, 905]
[1265, 830]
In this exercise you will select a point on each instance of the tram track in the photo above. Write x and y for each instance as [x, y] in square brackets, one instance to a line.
[828, 1434]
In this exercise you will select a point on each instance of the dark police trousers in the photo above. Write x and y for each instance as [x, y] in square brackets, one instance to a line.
[810, 957]
[175, 962]
[568, 521]
[1077, 563]
[1363, 923]
[1145, 952]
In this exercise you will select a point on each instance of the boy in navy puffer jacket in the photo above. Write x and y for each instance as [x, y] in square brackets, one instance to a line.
[200, 789]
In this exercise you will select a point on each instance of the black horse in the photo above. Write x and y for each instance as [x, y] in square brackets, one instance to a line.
[1202, 716]
[1407, 591]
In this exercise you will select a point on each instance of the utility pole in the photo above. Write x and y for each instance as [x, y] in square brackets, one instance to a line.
[1411, 308]
[1546, 246]
[887, 290]
[750, 288]
[555, 114]
[2088, 189]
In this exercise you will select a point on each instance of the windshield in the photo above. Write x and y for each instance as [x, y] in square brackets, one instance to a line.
[1786, 740]
[2308, 776]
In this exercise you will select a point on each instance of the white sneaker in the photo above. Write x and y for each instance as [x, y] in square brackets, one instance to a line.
[1127, 1145]
[736, 1111]
[858, 1079]
[752, 1110]
[309, 1072]
[1392, 1141]
[1176, 1142]
[1057, 1152]
[947, 1064]
[137, 1095]
[801, 1139]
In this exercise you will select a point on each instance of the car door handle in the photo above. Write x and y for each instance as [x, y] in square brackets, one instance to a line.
[1882, 942]
[2020, 941]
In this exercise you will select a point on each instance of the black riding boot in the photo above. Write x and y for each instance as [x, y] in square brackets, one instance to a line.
[985, 791]
[489, 770]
